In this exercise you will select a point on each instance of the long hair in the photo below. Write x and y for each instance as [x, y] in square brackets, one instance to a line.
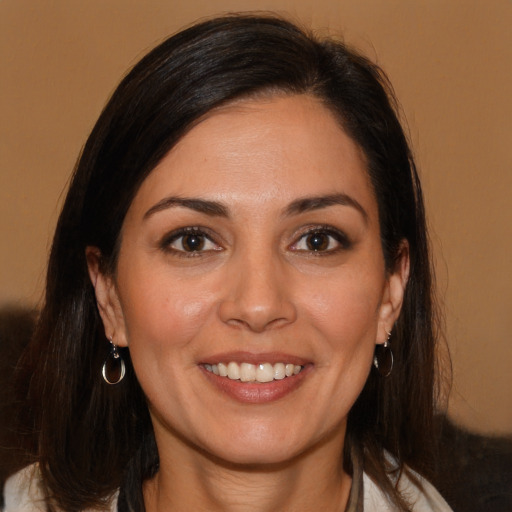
[90, 438]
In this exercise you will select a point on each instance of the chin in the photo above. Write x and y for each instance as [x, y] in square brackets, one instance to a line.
[261, 446]
[253, 457]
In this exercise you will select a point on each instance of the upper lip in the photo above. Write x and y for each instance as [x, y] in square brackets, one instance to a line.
[254, 358]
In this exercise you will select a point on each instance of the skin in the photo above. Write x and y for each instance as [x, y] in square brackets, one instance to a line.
[255, 286]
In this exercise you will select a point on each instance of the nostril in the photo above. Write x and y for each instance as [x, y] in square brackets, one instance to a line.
[257, 319]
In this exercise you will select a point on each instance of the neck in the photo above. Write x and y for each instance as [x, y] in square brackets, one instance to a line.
[189, 479]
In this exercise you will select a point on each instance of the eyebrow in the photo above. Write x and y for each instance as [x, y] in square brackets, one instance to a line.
[211, 208]
[216, 209]
[308, 204]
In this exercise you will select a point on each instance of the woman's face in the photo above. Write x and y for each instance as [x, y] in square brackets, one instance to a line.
[253, 249]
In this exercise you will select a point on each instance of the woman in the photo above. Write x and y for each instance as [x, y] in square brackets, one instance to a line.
[238, 308]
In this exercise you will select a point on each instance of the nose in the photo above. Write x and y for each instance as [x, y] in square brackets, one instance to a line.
[258, 294]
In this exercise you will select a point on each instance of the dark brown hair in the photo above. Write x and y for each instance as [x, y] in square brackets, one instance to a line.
[91, 438]
[16, 327]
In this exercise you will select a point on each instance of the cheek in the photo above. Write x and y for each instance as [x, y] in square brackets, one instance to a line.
[161, 312]
[346, 309]
[345, 315]
[161, 329]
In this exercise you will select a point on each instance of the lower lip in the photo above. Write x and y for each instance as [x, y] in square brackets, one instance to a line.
[255, 392]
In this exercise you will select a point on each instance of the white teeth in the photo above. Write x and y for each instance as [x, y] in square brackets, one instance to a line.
[279, 371]
[233, 371]
[247, 372]
[265, 372]
[223, 369]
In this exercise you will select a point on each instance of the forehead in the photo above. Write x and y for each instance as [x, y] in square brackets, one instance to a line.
[259, 152]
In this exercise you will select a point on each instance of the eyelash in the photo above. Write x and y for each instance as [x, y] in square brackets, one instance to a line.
[340, 239]
[171, 238]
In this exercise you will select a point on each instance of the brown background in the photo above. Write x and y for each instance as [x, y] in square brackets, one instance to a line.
[450, 63]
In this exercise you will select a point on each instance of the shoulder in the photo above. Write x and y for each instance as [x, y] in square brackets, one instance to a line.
[23, 492]
[421, 494]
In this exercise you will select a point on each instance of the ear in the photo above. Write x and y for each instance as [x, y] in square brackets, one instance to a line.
[107, 298]
[393, 295]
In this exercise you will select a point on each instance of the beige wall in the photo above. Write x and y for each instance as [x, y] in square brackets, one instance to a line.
[450, 62]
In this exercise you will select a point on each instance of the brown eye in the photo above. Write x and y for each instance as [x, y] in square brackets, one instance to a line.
[323, 240]
[317, 241]
[193, 242]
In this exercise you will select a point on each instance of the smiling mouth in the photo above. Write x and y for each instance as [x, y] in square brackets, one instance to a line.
[247, 372]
